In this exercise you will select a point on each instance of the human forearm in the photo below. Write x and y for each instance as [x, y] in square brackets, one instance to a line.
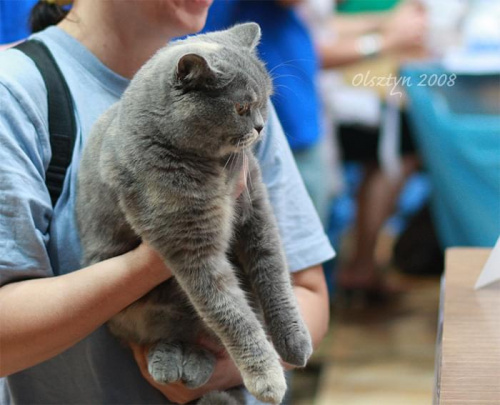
[338, 53]
[312, 296]
[359, 24]
[315, 313]
[40, 318]
[345, 51]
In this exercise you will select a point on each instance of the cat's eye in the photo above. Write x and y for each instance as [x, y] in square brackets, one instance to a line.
[242, 109]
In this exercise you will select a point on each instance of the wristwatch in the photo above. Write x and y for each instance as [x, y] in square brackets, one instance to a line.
[369, 45]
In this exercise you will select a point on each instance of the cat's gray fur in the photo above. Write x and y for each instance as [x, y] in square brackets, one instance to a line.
[162, 166]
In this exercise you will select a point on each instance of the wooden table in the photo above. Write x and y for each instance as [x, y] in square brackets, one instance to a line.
[468, 347]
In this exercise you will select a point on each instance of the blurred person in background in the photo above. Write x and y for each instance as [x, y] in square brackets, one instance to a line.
[288, 49]
[54, 347]
[13, 20]
[372, 42]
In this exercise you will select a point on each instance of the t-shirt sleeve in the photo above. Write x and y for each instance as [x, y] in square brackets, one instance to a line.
[25, 206]
[304, 240]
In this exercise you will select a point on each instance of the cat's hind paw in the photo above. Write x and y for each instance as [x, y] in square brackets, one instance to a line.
[198, 366]
[171, 362]
[165, 362]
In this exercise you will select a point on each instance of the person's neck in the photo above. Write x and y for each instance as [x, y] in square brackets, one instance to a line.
[124, 48]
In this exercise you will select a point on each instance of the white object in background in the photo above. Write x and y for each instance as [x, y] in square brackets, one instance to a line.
[444, 18]
[481, 32]
[479, 51]
[460, 61]
[354, 105]
[491, 270]
[389, 154]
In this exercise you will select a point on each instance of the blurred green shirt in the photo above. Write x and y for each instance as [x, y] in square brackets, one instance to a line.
[365, 6]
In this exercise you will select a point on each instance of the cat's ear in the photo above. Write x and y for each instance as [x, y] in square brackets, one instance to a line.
[247, 35]
[193, 70]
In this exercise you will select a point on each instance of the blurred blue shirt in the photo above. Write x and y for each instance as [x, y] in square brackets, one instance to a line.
[14, 16]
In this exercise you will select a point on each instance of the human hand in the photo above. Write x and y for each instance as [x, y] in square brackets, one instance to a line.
[406, 28]
[224, 377]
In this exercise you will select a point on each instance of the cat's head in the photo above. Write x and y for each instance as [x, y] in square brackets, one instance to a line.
[213, 91]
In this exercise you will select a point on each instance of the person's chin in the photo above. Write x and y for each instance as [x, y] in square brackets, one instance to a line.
[202, 3]
[197, 24]
[198, 7]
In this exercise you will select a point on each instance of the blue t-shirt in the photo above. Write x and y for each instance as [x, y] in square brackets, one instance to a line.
[39, 241]
[288, 50]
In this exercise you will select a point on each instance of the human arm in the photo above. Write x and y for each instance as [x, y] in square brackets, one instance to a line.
[312, 295]
[57, 312]
[402, 30]
[42, 315]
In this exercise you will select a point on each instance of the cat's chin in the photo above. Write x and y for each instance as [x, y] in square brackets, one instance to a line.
[247, 141]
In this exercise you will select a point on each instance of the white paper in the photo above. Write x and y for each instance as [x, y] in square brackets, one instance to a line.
[491, 270]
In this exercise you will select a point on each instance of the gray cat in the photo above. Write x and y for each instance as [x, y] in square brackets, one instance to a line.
[162, 166]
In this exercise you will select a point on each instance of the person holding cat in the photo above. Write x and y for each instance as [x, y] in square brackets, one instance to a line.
[53, 347]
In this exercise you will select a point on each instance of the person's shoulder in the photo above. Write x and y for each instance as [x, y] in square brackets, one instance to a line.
[16, 68]
[22, 83]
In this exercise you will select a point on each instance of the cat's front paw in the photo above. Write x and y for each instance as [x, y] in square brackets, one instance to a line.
[294, 345]
[268, 386]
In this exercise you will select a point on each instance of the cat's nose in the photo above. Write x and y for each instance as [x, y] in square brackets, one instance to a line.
[259, 128]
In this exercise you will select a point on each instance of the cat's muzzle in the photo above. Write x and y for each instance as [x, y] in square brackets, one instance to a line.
[246, 140]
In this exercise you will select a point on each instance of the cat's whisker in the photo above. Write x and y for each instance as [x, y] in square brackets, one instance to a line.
[247, 177]
[238, 145]
[281, 76]
[235, 160]
[285, 63]
[290, 63]
[280, 86]
[228, 159]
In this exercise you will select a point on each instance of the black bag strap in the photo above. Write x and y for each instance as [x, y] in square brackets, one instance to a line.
[62, 124]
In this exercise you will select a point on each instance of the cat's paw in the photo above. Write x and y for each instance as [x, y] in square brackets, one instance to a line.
[198, 366]
[171, 362]
[268, 386]
[294, 345]
[165, 362]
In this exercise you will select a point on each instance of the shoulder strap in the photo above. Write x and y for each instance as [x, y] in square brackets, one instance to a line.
[62, 125]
